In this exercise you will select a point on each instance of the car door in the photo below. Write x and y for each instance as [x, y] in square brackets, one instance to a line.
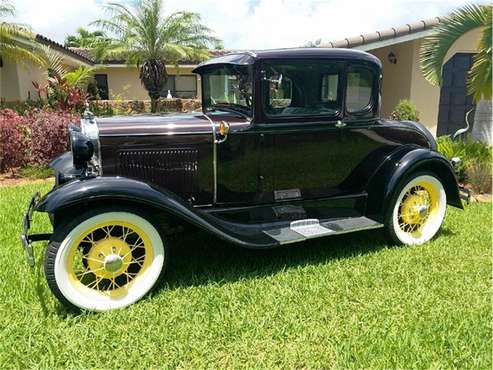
[311, 145]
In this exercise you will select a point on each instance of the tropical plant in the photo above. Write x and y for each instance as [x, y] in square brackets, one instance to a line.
[65, 90]
[434, 50]
[85, 39]
[405, 110]
[16, 41]
[473, 154]
[150, 40]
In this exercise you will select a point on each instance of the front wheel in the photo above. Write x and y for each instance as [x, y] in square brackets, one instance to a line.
[418, 209]
[104, 259]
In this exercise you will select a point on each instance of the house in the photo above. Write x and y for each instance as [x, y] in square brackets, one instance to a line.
[442, 109]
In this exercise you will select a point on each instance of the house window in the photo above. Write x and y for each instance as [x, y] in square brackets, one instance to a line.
[181, 86]
[102, 86]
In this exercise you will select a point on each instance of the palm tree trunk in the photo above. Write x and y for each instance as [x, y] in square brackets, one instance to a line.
[483, 122]
[154, 103]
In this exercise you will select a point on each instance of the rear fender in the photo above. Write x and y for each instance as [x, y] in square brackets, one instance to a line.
[80, 194]
[400, 165]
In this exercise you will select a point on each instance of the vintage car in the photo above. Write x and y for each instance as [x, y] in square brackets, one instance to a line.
[289, 146]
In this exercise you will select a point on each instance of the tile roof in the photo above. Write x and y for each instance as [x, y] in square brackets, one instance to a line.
[63, 49]
[87, 53]
[383, 35]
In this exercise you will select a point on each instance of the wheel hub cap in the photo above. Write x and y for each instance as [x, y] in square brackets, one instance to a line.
[109, 257]
[415, 209]
[113, 262]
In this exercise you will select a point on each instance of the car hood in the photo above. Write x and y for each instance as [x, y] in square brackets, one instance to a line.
[167, 124]
[162, 124]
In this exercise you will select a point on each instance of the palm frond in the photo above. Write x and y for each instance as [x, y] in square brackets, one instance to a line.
[480, 75]
[17, 44]
[53, 62]
[81, 76]
[434, 48]
[6, 9]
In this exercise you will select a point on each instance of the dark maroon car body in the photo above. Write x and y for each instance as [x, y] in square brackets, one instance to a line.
[247, 183]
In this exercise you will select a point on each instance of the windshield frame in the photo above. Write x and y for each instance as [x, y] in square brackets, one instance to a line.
[207, 105]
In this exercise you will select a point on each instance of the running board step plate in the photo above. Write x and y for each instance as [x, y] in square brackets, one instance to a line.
[312, 228]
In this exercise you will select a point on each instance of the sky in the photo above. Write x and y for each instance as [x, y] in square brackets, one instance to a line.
[250, 24]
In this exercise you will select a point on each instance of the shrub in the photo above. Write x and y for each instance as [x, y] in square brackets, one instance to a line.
[13, 143]
[405, 110]
[478, 174]
[126, 107]
[475, 156]
[49, 135]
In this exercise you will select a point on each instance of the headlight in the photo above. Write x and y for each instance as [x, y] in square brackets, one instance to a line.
[89, 128]
[81, 146]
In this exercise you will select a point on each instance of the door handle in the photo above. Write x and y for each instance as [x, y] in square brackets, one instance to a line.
[340, 124]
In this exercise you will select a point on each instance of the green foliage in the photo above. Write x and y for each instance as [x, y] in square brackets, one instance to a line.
[480, 75]
[405, 110]
[434, 48]
[81, 76]
[66, 89]
[470, 152]
[16, 41]
[344, 302]
[86, 39]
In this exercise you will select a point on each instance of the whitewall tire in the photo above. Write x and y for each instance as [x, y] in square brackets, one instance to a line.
[418, 210]
[105, 259]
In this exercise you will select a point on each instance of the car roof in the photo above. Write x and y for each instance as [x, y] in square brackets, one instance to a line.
[250, 57]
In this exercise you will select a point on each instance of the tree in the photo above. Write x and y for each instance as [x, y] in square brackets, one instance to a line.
[16, 41]
[150, 40]
[434, 50]
[85, 39]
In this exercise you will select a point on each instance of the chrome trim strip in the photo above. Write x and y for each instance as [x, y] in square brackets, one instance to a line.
[214, 159]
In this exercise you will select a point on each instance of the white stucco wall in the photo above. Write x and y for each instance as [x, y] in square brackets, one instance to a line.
[404, 79]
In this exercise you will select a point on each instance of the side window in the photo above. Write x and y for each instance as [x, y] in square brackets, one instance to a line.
[359, 89]
[301, 88]
[330, 85]
[280, 93]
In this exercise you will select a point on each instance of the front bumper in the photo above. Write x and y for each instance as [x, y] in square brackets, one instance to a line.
[26, 238]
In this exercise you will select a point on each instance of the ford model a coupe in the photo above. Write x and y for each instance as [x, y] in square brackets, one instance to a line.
[289, 147]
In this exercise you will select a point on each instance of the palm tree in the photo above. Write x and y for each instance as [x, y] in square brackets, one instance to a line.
[85, 38]
[150, 40]
[16, 41]
[434, 50]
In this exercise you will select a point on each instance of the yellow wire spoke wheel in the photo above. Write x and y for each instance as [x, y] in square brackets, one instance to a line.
[108, 261]
[109, 256]
[419, 210]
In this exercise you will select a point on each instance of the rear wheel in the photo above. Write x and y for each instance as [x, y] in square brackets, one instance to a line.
[105, 259]
[418, 210]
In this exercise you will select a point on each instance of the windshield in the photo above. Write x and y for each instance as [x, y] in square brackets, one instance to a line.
[228, 87]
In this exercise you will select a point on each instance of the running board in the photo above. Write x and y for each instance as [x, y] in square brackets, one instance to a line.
[312, 228]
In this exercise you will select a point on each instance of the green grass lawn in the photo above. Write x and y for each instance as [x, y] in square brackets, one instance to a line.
[342, 302]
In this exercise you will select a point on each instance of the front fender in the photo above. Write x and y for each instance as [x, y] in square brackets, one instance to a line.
[401, 164]
[102, 190]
